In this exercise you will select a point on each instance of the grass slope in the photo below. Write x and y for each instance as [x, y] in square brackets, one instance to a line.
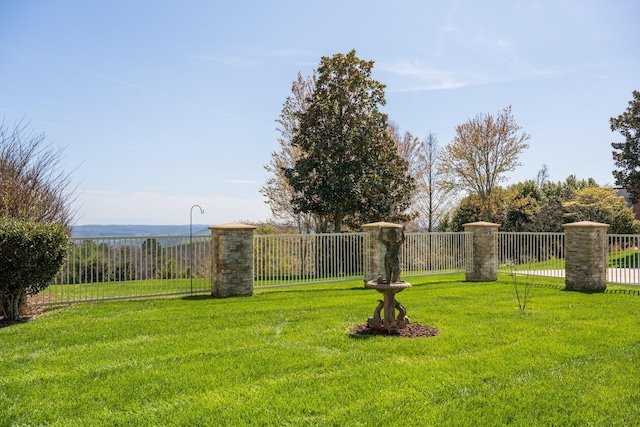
[285, 357]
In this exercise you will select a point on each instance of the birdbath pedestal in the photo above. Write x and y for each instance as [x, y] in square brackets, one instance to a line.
[388, 306]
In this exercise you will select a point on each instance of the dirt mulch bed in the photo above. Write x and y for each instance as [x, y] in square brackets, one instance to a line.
[27, 313]
[413, 330]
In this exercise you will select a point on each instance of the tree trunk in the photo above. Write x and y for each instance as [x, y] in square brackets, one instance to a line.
[11, 305]
[337, 221]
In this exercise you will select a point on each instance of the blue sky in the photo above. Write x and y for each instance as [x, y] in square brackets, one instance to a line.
[164, 104]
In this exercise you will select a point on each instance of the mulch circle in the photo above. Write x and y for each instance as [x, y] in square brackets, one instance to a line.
[412, 330]
[27, 313]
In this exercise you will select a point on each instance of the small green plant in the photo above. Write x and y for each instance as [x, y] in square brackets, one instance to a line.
[523, 291]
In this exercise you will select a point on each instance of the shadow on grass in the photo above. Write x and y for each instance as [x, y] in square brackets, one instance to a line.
[207, 297]
[198, 297]
[360, 337]
[412, 330]
[623, 291]
[302, 289]
[604, 291]
[333, 287]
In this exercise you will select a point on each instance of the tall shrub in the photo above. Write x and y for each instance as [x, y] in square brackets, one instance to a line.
[33, 186]
[31, 253]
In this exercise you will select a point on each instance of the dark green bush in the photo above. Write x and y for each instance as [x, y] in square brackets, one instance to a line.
[32, 254]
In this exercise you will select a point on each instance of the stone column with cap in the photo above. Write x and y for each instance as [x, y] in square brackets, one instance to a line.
[485, 251]
[585, 256]
[232, 260]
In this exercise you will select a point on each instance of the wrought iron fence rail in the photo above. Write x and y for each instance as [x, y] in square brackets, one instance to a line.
[296, 259]
[111, 268]
[130, 267]
[542, 254]
[436, 253]
[538, 254]
[623, 259]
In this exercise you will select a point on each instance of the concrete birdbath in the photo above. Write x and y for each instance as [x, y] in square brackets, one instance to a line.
[388, 306]
[384, 316]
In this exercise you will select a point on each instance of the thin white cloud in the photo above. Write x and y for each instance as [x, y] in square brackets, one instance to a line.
[133, 148]
[448, 29]
[464, 53]
[242, 181]
[120, 82]
[291, 52]
[256, 59]
[414, 77]
[172, 98]
[53, 125]
[230, 60]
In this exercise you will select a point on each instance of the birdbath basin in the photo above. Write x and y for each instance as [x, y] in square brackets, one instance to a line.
[388, 306]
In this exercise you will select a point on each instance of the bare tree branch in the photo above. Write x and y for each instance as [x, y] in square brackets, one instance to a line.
[483, 149]
[33, 186]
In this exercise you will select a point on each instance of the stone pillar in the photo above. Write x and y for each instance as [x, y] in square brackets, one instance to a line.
[585, 256]
[232, 260]
[374, 251]
[485, 251]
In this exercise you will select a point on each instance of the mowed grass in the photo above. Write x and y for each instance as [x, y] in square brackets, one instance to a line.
[124, 289]
[624, 259]
[285, 357]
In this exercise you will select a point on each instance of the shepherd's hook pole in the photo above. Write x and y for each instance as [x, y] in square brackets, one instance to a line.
[191, 243]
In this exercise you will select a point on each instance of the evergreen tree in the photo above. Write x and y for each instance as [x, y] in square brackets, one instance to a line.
[277, 191]
[626, 155]
[349, 169]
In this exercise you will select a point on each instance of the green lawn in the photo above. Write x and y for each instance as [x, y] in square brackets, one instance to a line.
[285, 357]
[624, 259]
[125, 289]
[552, 264]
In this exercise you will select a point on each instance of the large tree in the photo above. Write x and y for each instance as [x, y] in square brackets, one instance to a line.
[349, 169]
[524, 206]
[469, 209]
[435, 199]
[483, 150]
[409, 148]
[277, 190]
[601, 205]
[430, 201]
[626, 155]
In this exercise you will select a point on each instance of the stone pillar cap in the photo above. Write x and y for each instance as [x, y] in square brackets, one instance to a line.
[585, 224]
[481, 224]
[382, 224]
[232, 226]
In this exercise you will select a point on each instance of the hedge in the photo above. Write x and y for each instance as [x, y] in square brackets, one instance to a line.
[32, 254]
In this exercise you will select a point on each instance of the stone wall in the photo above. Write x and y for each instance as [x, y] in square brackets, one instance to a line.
[232, 260]
[485, 251]
[586, 256]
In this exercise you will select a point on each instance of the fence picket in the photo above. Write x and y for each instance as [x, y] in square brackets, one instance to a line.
[131, 267]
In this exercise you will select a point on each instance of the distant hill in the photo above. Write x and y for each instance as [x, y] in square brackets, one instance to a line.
[95, 230]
